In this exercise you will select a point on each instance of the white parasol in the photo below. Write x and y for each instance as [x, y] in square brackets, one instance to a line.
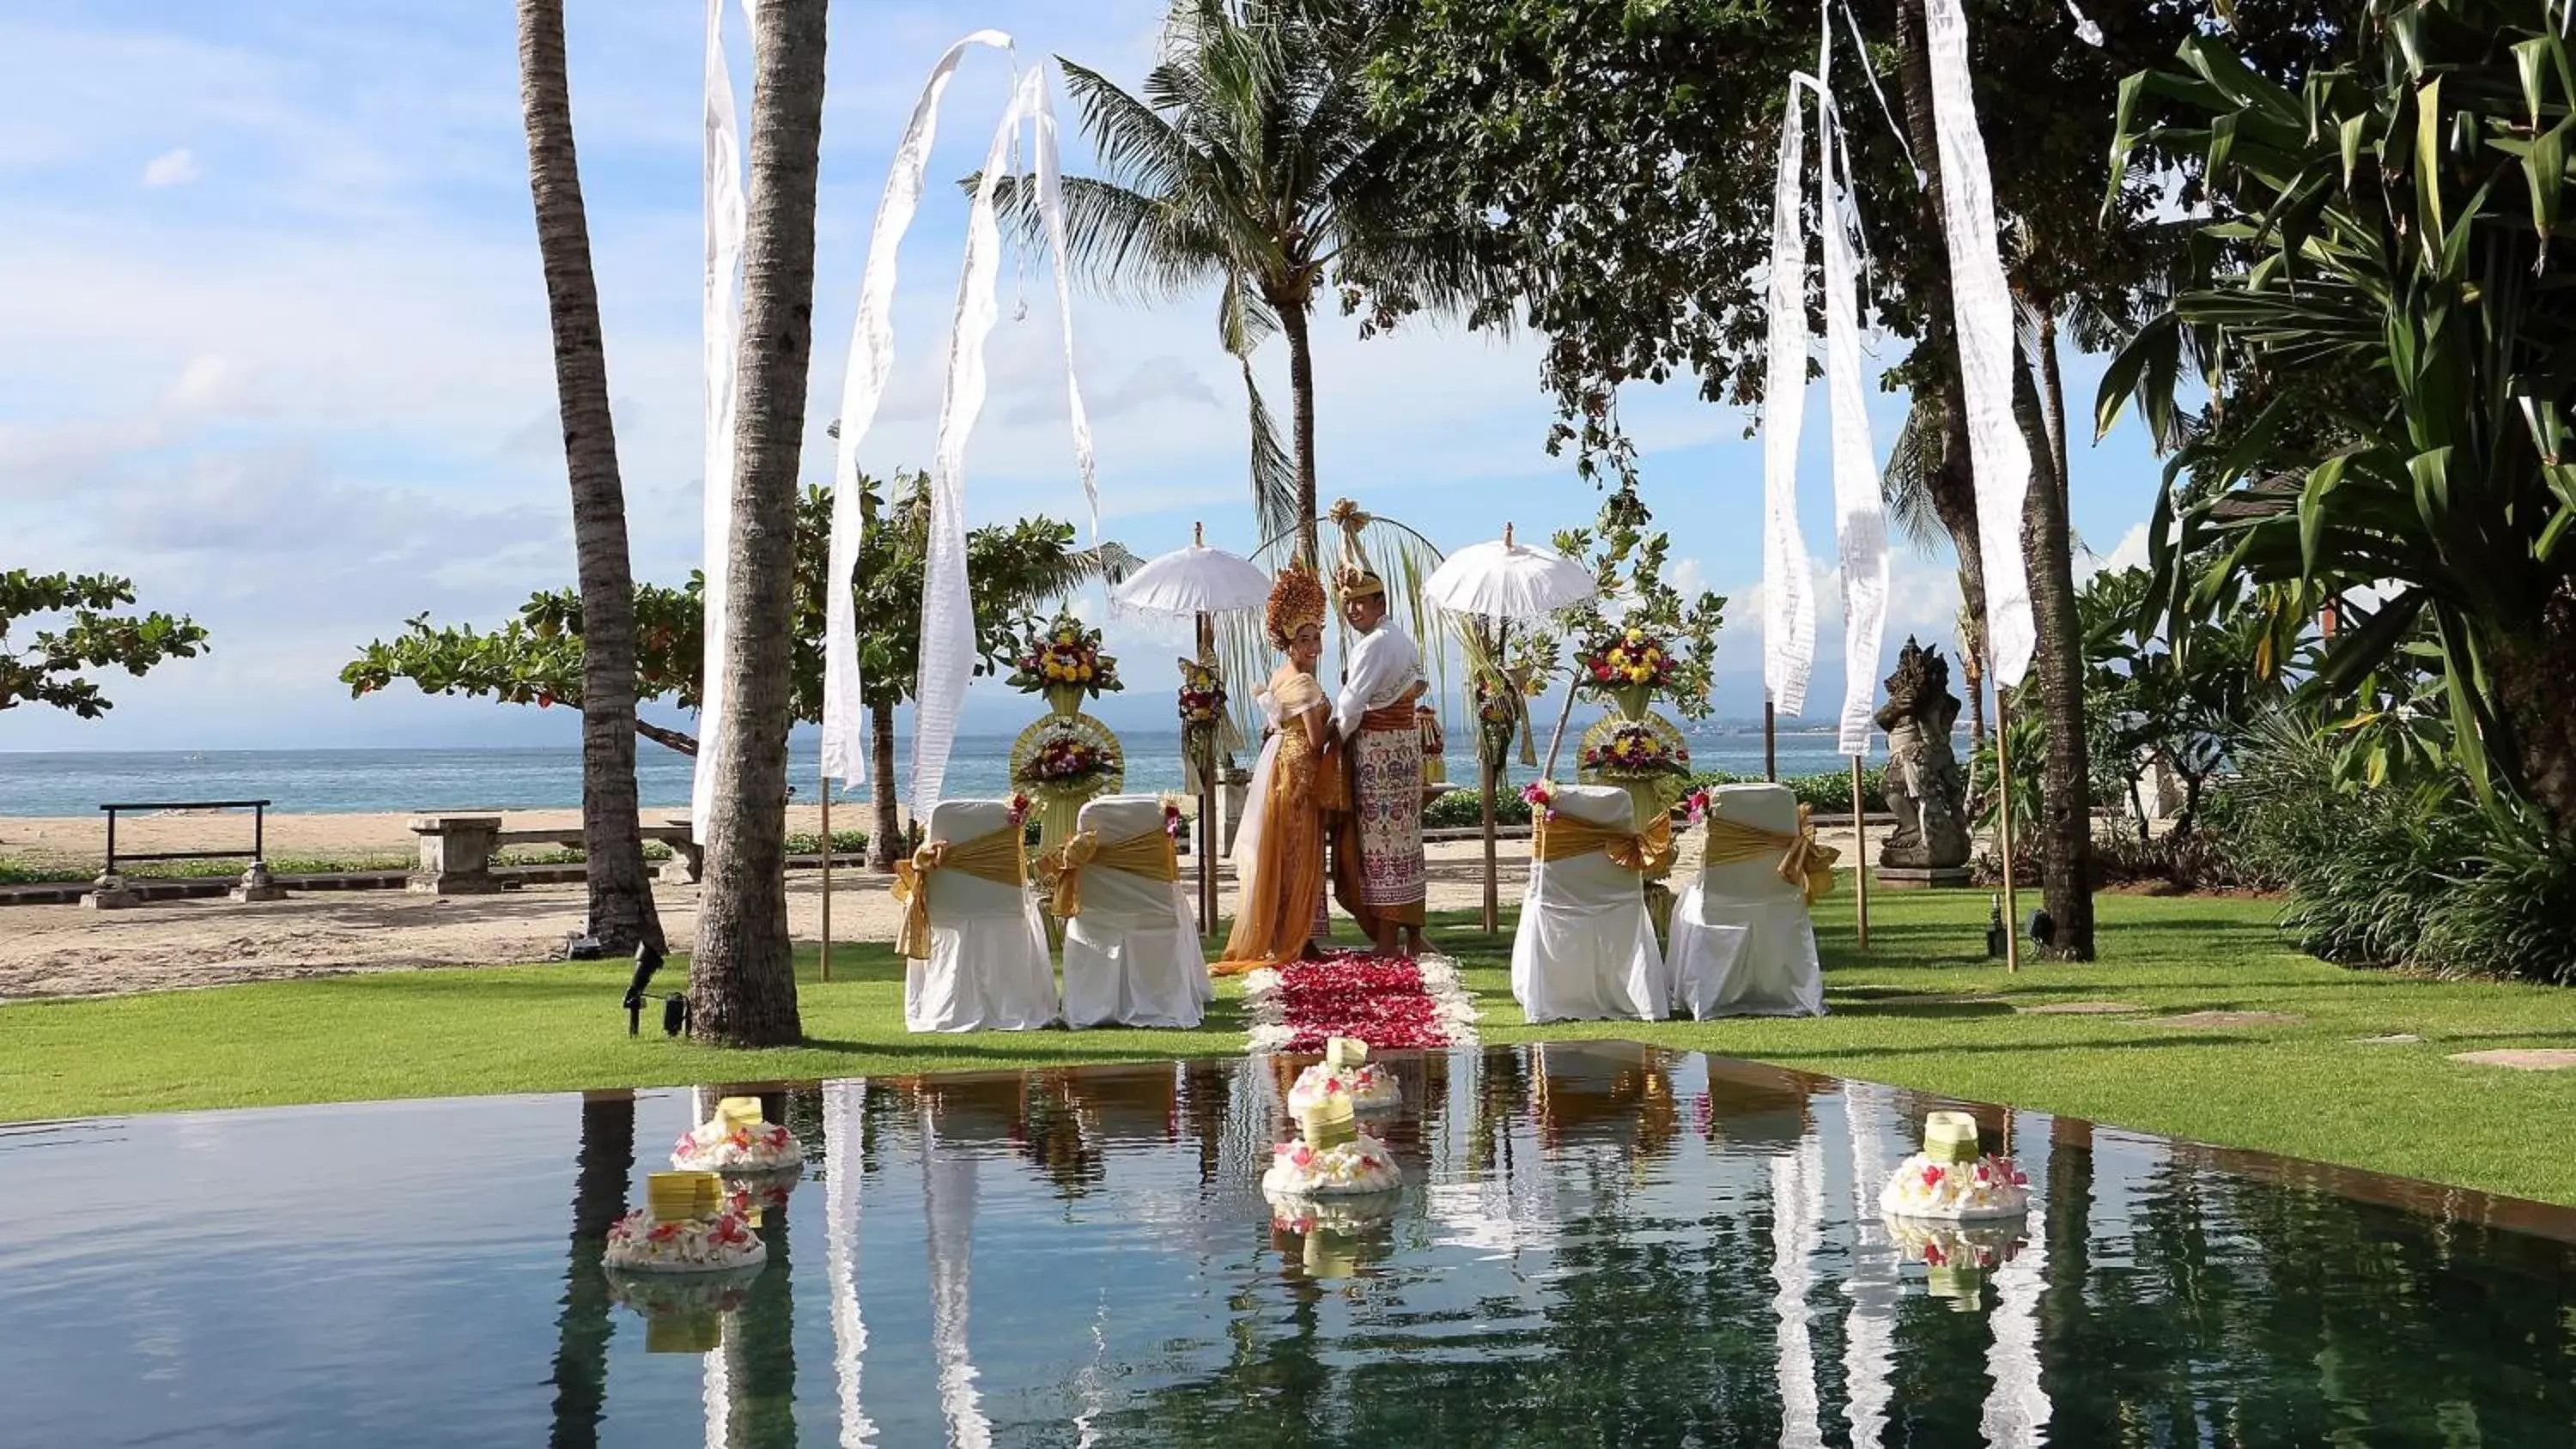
[1508, 580]
[1505, 581]
[1200, 582]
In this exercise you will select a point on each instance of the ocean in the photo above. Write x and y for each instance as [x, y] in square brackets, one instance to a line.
[449, 780]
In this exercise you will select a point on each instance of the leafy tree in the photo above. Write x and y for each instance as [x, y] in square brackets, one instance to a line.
[537, 658]
[1248, 163]
[1628, 566]
[2394, 220]
[49, 668]
[2141, 706]
[621, 896]
[1618, 156]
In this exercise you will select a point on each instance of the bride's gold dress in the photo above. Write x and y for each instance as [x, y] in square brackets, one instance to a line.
[1283, 885]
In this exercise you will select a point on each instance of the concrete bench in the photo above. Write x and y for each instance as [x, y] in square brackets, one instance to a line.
[456, 852]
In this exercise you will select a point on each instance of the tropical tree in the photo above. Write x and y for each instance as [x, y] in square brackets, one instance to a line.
[51, 666]
[1248, 163]
[742, 977]
[621, 896]
[2395, 222]
[538, 658]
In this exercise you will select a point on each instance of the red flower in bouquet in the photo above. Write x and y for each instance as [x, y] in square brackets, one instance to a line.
[1633, 750]
[1019, 811]
[1173, 823]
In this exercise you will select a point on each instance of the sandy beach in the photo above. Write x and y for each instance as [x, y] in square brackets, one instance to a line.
[55, 950]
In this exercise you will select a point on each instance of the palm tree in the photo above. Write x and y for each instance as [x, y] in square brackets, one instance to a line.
[742, 977]
[1249, 163]
[621, 897]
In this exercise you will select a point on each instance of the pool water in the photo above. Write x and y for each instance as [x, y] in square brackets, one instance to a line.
[1597, 1243]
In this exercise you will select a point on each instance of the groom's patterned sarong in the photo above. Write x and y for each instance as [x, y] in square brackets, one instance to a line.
[1386, 881]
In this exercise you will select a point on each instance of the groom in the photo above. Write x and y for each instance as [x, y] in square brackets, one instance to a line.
[1382, 752]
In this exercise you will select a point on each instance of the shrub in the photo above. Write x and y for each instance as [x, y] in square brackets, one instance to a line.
[1826, 794]
[1465, 810]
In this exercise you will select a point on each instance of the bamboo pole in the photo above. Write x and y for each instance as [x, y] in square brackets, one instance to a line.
[1557, 740]
[1207, 780]
[1488, 768]
[826, 777]
[2003, 817]
[1860, 852]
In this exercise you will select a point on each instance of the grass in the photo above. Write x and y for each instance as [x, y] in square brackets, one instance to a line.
[1922, 1009]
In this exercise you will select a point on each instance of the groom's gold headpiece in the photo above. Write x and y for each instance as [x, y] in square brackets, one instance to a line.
[1296, 600]
[1353, 578]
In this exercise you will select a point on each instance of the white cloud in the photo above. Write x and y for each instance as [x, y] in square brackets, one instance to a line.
[171, 168]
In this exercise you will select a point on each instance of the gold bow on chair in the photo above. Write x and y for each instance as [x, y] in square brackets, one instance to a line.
[1803, 863]
[1647, 852]
[1150, 855]
[1000, 857]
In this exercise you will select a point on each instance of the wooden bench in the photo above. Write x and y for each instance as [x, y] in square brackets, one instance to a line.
[456, 852]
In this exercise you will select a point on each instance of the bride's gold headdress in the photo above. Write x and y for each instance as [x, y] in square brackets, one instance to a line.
[1296, 600]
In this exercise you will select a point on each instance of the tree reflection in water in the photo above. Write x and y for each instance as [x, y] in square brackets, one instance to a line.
[607, 1157]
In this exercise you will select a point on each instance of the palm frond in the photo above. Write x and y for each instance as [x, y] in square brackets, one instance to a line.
[1907, 484]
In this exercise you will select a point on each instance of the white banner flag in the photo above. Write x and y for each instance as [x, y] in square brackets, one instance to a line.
[1860, 514]
[947, 609]
[1984, 310]
[862, 388]
[720, 332]
[1788, 607]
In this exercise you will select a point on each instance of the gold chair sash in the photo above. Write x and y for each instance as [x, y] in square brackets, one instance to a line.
[1562, 837]
[1803, 863]
[1000, 857]
[1150, 854]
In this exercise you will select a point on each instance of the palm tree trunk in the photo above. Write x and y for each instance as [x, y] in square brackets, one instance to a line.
[582, 1329]
[887, 847]
[742, 982]
[621, 895]
[2066, 806]
[1301, 385]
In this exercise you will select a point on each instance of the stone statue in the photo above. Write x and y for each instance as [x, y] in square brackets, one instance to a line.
[1924, 784]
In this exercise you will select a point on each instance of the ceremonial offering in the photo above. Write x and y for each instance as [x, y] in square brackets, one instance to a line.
[1626, 750]
[1627, 659]
[683, 1314]
[1332, 1157]
[1345, 1070]
[1062, 659]
[737, 1141]
[684, 1227]
[1950, 1180]
[1328, 1230]
[1955, 1256]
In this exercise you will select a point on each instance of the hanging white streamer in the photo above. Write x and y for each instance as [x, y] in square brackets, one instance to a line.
[1921, 177]
[947, 611]
[1797, 1230]
[720, 332]
[1860, 514]
[1788, 607]
[1051, 205]
[845, 1106]
[1985, 316]
[2085, 30]
[2017, 1408]
[862, 388]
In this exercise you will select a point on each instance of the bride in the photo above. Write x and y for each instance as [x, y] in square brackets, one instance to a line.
[1279, 852]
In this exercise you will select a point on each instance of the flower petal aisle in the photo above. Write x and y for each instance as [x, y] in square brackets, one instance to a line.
[1386, 1002]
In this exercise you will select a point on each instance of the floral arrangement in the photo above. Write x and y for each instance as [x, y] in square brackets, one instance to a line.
[746, 1197]
[1540, 796]
[1297, 1213]
[1062, 654]
[1633, 750]
[1202, 695]
[640, 1240]
[1174, 824]
[1697, 805]
[734, 1148]
[1989, 1187]
[1628, 658]
[1018, 814]
[1361, 1165]
[1369, 1086]
[1064, 760]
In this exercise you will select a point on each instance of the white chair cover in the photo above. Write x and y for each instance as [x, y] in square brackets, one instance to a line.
[988, 968]
[1743, 944]
[1132, 957]
[1585, 950]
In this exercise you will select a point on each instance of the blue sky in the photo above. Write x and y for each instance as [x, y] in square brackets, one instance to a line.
[277, 349]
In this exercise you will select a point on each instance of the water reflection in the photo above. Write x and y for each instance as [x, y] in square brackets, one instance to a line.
[1596, 1243]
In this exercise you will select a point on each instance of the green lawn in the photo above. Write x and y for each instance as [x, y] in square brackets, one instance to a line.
[1921, 1009]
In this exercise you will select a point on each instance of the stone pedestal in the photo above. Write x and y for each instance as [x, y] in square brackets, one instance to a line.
[256, 885]
[1916, 878]
[688, 862]
[1234, 795]
[455, 855]
[109, 893]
